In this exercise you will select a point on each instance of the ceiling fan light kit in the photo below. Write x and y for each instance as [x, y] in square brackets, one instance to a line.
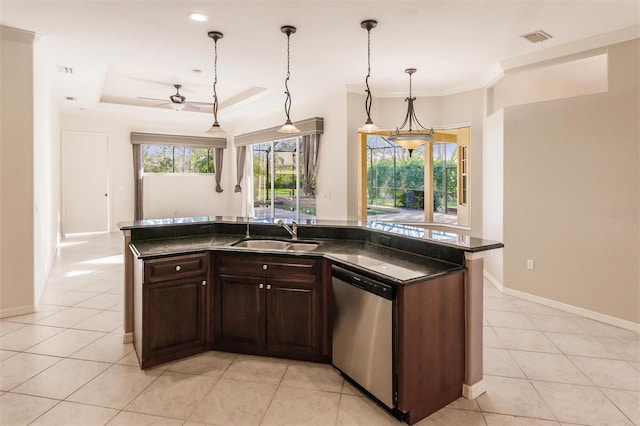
[288, 127]
[368, 126]
[411, 139]
[215, 130]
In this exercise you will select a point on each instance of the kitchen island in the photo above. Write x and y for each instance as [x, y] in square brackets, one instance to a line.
[238, 284]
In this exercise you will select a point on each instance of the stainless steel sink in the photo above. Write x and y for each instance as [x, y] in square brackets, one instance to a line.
[277, 245]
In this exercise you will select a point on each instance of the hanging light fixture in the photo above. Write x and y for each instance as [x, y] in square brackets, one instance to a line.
[215, 130]
[368, 126]
[411, 139]
[288, 125]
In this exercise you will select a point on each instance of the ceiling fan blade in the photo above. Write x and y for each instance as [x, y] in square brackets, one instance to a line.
[166, 103]
[152, 99]
[200, 103]
[189, 105]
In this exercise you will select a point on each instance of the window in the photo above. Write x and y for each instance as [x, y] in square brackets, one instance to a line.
[432, 185]
[177, 159]
[278, 180]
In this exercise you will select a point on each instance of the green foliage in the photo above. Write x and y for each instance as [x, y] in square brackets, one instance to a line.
[408, 185]
[177, 159]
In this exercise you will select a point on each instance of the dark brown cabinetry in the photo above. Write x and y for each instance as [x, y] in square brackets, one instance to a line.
[268, 305]
[430, 341]
[170, 308]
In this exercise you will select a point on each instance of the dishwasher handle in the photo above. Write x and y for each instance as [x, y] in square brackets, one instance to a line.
[378, 288]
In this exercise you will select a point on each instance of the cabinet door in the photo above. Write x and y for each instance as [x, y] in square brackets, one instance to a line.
[294, 318]
[239, 312]
[174, 319]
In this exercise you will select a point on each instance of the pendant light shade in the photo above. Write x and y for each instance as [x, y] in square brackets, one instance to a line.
[288, 125]
[411, 139]
[368, 126]
[215, 130]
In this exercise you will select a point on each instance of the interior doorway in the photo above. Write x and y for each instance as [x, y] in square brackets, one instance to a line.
[85, 182]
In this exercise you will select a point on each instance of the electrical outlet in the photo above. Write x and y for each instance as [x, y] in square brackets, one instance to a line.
[531, 264]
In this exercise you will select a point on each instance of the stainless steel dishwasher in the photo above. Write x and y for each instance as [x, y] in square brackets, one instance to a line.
[363, 332]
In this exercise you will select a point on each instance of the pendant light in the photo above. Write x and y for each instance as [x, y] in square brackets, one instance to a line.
[368, 126]
[215, 130]
[411, 139]
[288, 125]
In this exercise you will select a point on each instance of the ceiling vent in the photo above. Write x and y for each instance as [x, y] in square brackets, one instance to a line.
[65, 70]
[537, 36]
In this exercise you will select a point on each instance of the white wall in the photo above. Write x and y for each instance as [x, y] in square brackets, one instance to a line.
[493, 190]
[333, 183]
[46, 162]
[118, 126]
[169, 195]
[17, 294]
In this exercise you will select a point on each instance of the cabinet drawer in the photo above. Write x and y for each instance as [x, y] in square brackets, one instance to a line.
[176, 267]
[251, 264]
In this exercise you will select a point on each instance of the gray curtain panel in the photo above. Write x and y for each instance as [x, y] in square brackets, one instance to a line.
[241, 153]
[137, 178]
[217, 158]
[310, 145]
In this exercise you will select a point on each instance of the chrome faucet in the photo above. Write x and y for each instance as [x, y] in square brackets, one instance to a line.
[293, 232]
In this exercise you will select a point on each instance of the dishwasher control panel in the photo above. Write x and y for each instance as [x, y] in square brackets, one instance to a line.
[368, 284]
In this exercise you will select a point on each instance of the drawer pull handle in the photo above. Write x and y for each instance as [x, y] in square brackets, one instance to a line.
[178, 268]
[204, 283]
[261, 286]
[268, 287]
[264, 266]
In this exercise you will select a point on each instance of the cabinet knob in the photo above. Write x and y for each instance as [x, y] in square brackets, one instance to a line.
[268, 287]
[204, 283]
[264, 266]
[261, 286]
[178, 268]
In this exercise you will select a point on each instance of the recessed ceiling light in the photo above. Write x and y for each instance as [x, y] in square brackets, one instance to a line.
[197, 71]
[198, 17]
[70, 98]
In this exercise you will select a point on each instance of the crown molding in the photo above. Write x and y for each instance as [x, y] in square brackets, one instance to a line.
[578, 46]
[16, 34]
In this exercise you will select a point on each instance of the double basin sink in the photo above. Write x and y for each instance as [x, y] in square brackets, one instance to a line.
[272, 244]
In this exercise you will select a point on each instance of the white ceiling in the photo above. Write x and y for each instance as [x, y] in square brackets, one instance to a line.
[122, 50]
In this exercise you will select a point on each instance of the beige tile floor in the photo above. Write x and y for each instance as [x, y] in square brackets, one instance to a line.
[66, 365]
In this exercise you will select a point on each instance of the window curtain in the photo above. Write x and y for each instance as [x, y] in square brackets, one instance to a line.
[138, 213]
[241, 154]
[310, 145]
[218, 157]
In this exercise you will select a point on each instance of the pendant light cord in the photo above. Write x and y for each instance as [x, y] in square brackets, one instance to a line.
[215, 80]
[287, 101]
[369, 100]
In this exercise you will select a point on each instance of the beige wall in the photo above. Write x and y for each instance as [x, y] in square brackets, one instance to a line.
[16, 173]
[571, 198]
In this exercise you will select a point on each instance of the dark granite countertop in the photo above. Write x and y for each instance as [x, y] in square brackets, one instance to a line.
[448, 238]
[382, 262]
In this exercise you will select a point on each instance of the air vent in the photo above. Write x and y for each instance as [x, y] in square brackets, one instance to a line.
[70, 98]
[65, 70]
[537, 36]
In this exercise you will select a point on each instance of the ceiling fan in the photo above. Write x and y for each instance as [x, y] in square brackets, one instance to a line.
[177, 101]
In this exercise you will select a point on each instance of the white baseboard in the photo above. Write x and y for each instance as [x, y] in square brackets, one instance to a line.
[20, 310]
[576, 310]
[475, 390]
[127, 337]
[492, 280]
